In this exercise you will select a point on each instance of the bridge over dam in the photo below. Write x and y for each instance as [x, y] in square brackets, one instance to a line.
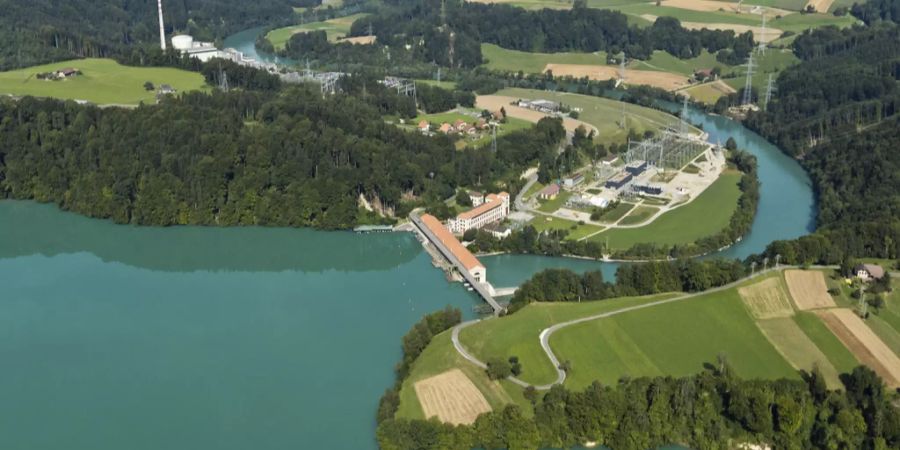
[461, 258]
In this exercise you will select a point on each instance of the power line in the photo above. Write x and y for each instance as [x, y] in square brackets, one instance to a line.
[770, 88]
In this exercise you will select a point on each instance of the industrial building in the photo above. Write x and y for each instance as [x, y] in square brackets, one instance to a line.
[494, 209]
[456, 249]
[572, 181]
[544, 106]
[648, 189]
[619, 180]
[204, 51]
[636, 167]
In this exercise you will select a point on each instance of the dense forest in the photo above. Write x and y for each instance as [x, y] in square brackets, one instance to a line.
[838, 112]
[40, 31]
[711, 410]
[289, 158]
[450, 34]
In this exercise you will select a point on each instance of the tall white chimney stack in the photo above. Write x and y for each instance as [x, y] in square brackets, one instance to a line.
[162, 29]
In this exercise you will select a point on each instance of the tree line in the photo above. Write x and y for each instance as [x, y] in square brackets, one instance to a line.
[689, 275]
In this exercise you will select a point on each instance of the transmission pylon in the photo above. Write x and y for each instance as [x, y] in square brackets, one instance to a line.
[762, 45]
[494, 138]
[223, 84]
[444, 13]
[438, 77]
[684, 127]
[770, 88]
[622, 68]
[748, 86]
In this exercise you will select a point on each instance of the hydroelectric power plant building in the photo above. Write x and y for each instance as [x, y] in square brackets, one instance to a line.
[494, 209]
[455, 248]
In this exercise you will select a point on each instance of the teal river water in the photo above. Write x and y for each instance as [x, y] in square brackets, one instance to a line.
[118, 337]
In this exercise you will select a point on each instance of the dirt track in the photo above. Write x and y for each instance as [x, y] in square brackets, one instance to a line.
[868, 348]
[808, 289]
[665, 80]
[495, 102]
[711, 5]
[451, 397]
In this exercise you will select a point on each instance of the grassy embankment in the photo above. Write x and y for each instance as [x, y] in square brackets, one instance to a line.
[103, 81]
[704, 216]
[335, 28]
[439, 357]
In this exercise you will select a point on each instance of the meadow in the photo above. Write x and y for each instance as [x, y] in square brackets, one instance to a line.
[505, 60]
[676, 339]
[103, 81]
[517, 334]
[576, 231]
[602, 113]
[335, 28]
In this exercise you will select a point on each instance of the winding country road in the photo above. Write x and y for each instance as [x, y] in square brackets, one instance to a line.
[547, 332]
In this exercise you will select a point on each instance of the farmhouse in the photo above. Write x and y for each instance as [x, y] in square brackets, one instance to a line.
[869, 272]
[494, 209]
[424, 126]
[67, 72]
[549, 192]
[468, 260]
[445, 128]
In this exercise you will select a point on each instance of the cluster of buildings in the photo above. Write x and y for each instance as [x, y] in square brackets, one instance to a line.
[205, 51]
[59, 74]
[458, 127]
[632, 170]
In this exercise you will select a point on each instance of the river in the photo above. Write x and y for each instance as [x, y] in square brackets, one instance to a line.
[118, 337]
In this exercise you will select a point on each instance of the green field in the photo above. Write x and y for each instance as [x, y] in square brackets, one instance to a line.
[704, 216]
[335, 29]
[602, 113]
[501, 59]
[103, 81]
[439, 357]
[517, 334]
[674, 339]
[576, 231]
[616, 213]
[639, 215]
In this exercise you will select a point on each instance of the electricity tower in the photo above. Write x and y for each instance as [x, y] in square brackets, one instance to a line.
[748, 86]
[770, 88]
[762, 35]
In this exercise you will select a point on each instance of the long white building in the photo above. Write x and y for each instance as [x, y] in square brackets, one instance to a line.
[494, 209]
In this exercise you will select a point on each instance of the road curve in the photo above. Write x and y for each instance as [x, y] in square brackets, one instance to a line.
[547, 332]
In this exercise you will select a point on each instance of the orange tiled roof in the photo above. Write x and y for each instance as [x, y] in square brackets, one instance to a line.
[446, 237]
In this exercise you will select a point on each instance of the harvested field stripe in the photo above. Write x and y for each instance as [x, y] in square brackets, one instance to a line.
[451, 397]
[766, 299]
[808, 289]
[863, 343]
[797, 348]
